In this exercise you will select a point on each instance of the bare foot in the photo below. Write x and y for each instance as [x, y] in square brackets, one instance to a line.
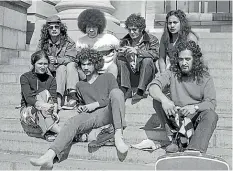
[45, 161]
[120, 144]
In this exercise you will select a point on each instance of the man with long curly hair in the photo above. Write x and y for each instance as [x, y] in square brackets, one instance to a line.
[103, 103]
[92, 22]
[61, 51]
[176, 29]
[143, 49]
[193, 96]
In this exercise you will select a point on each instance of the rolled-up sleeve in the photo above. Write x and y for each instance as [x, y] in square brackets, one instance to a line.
[209, 99]
[162, 80]
[27, 93]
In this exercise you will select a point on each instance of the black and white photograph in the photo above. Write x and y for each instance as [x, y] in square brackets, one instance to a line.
[116, 85]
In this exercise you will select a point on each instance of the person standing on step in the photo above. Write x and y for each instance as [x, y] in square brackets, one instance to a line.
[176, 29]
[193, 96]
[103, 103]
[143, 48]
[92, 22]
[61, 51]
[39, 98]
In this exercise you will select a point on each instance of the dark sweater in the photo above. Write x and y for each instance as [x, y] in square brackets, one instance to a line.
[29, 88]
[99, 90]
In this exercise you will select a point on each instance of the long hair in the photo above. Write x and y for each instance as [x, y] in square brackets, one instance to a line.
[92, 17]
[185, 28]
[199, 69]
[44, 37]
[36, 56]
[91, 55]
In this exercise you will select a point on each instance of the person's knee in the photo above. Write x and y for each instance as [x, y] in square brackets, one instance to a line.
[113, 69]
[116, 92]
[147, 61]
[61, 69]
[71, 65]
[211, 116]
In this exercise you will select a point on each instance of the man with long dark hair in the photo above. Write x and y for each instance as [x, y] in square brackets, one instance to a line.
[61, 51]
[193, 96]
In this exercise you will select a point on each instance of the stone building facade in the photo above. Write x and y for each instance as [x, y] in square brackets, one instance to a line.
[21, 21]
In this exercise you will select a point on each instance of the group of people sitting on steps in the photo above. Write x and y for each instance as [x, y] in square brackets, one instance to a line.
[95, 75]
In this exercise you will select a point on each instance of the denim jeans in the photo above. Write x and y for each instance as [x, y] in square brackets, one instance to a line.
[81, 123]
[204, 125]
[144, 77]
[67, 77]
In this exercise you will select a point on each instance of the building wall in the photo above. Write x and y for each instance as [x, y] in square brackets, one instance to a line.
[13, 22]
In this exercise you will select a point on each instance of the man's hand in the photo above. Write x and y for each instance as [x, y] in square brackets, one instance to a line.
[188, 110]
[169, 107]
[52, 59]
[88, 108]
[131, 49]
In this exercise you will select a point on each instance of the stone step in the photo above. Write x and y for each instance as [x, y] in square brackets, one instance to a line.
[219, 64]
[10, 88]
[133, 118]
[217, 56]
[223, 153]
[132, 134]
[222, 136]
[14, 69]
[25, 54]
[34, 146]
[9, 161]
[223, 101]
[219, 72]
[213, 45]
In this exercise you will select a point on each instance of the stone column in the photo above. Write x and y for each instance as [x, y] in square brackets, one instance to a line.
[13, 25]
[36, 16]
[69, 11]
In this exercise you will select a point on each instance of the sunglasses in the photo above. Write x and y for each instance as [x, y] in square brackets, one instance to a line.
[51, 27]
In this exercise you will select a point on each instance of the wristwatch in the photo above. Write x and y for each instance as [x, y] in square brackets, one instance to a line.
[196, 108]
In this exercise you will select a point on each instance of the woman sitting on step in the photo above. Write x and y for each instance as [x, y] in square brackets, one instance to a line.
[39, 99]
[176, 28]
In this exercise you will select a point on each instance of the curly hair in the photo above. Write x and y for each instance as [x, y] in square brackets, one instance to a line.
[44, 37]
[199, 69]
[185, 28]
[91, 55]
[137, 21]
[92, 17]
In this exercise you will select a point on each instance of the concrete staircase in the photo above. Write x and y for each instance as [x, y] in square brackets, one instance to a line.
[16, 147]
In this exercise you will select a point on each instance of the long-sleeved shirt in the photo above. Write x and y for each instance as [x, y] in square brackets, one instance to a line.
[102, 43]
[64, 54]
[148, 46]
[99, 90]
[184, 93]
[32, 84]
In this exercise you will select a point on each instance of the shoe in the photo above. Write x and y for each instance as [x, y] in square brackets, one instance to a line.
[71, 105]
[136, 98]
[105, 137]
[147, 145]
[172, 148]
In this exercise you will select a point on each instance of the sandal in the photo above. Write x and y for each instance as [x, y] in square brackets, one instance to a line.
[147, 145]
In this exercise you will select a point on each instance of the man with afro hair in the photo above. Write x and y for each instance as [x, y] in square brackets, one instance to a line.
[143, 50]
[92, 22]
